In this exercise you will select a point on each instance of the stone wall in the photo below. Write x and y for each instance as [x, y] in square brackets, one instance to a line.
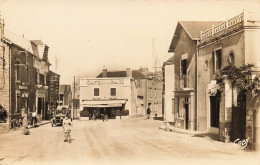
[4, 77]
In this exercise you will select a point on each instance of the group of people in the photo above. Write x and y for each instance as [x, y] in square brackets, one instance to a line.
[104, 115]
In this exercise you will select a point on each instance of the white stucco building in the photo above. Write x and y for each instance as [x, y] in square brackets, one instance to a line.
[110, 94]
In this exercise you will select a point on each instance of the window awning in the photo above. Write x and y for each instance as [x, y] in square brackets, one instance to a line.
[103, 103]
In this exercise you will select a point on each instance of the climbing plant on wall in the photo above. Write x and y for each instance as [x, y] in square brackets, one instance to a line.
[238, 76]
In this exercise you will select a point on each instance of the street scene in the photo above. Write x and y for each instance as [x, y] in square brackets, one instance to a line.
[129, 82]
[129, 141]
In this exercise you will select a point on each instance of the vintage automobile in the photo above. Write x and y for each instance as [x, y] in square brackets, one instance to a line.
[60, 114]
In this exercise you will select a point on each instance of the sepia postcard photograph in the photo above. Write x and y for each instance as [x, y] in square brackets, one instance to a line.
[129, 82]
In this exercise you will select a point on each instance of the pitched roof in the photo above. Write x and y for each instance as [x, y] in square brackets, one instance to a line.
[64, 88]
[170, 60]
[38, 42]
[18, 40]
[29, 45]
[193, 28]
[136, 74]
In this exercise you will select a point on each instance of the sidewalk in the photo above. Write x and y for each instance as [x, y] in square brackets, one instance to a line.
[20, 128]
[206, 135]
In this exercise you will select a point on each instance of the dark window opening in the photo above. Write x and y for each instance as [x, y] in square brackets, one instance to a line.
[113, 91]
[183, 68]
[96, 91]
[218, 59]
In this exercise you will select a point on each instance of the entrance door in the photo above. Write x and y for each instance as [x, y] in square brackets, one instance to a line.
[239, 118]
[186, 106]
[214, 110]
[39, 106]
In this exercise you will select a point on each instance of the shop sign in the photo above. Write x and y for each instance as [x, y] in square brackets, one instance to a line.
[107, 82]
[98, 82]
[103, 105]
[24, 94]
[22, 87]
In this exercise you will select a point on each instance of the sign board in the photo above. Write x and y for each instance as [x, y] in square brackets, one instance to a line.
[101, 82]
[102, 105]
[25, 94]
[22, 87]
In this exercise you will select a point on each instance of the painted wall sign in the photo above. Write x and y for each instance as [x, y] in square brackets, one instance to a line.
[102, 105]
[104, 82]
[22, 87]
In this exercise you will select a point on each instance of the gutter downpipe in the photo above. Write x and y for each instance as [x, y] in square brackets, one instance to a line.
[10, 89]
[196, 85]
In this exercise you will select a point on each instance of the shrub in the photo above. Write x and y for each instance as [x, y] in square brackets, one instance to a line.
[3, 114]
[84, 113]
[123, 113]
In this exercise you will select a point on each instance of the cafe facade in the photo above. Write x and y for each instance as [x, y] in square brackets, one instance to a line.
[107, 95]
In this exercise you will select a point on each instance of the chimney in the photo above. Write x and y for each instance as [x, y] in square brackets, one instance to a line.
[2, 25]
[104, 73]
[128, 72]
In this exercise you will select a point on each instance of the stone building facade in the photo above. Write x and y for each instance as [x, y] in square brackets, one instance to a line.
[149, 92]
[228, 113]
[24, 76]
[54, 83]
[168, 90]
[183, 45]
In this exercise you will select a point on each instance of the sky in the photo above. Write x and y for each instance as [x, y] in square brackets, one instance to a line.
[88, 35]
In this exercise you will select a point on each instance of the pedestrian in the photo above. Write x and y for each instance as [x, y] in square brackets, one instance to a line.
[94, 114]
[34, 120]
[25, 125]
[67, 124]
[105, 115]
[148, 112]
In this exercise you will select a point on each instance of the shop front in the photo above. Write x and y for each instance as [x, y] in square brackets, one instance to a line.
[112, 108]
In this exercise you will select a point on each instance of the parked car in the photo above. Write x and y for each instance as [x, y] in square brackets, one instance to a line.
[60, 114]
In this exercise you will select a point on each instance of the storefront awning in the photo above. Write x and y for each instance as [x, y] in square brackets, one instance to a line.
[103, 103]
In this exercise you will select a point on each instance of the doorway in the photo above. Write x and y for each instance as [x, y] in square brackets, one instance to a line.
[214, 110]
[40, 107]
[186, 107]
[239, 118]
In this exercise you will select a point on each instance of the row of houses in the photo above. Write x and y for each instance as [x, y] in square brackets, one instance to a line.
[26, 82]
[130, 91]
[203, 89]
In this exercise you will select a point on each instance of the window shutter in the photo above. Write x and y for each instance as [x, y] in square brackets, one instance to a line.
[181, 68]
[213, 62]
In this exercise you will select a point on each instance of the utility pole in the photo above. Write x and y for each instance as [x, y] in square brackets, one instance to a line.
[74, 99]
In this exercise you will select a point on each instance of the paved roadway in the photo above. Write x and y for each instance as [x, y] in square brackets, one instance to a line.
[133, 141]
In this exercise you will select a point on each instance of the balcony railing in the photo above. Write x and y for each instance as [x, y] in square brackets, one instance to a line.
[223, 28]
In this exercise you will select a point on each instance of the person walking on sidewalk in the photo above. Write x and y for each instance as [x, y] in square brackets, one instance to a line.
[34, 120]
[25, 125]
[148, 112]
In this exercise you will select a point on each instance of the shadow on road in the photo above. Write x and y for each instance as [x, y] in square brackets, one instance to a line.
[207, 136]
[158, 118]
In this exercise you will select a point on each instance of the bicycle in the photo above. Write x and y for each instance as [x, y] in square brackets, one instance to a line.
[67, 136]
